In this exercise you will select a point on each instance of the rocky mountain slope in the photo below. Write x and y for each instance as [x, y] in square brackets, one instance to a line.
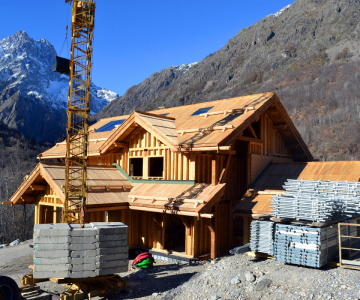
[290, 52]
[33, 99]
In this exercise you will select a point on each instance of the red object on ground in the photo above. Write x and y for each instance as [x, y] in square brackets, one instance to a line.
[141, 257]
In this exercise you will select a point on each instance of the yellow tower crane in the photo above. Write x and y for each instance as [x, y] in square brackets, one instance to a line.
[82, 26]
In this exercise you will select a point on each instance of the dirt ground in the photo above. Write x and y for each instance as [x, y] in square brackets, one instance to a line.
[15, 262]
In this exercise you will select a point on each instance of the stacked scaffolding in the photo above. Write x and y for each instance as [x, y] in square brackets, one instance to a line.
[262, 237]
[307, 246]
[318, 201]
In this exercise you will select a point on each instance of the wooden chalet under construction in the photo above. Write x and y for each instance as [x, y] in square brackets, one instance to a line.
[175, 176]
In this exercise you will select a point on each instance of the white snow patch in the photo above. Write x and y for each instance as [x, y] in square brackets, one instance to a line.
[280, 11]
[35, 94]
[106, 94]
[185, 67]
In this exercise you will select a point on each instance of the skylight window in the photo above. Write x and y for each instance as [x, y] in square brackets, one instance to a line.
[202, 111]
[164, 114]
[110, 126]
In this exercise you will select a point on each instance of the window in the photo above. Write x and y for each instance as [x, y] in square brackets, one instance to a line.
[136, 167]
[110, 126]
[156, 166]
[164, 114]
[202, 111]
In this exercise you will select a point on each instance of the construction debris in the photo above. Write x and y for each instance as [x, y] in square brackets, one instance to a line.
[68, 251]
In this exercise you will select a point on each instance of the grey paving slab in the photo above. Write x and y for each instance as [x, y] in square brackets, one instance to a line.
[84, 253]
[51, 268]
[84, 260]
[112, 264]
[47, 247]
[61, 229]
[52, 239]
[51, 261]
[82, 246]
[83, 274]
[54, 254]
[114, 250]
[111, 237]
[83, 240]
[110, 244]
[111, 257]
[53, 274]
[83, 267]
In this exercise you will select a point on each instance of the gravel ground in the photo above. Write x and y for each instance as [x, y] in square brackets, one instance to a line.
[233, 277]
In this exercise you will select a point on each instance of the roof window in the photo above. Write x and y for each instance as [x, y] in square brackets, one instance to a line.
[202, 111]
[110, 126]
[164, 114]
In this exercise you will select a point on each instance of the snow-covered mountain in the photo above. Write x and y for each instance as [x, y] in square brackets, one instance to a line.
[33, 99]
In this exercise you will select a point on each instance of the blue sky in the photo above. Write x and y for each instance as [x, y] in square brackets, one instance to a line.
[135, 38]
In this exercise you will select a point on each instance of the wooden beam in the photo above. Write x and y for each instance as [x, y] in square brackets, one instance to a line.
[183, 148]
[225, 169]
[211, 227]
[292, 146]
[202, 130]
[280, 126]
[251, 129]
[250, 139]
[156, 220]
[94, 209]
[120, 145]
[213, 169]
[185, 221]
[171, 212]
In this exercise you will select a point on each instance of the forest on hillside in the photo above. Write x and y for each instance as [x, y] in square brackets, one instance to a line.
[17, 159]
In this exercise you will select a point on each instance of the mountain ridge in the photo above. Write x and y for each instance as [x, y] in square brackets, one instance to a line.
[33, 99]
[282, 52]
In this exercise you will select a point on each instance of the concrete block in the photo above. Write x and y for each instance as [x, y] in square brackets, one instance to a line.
[83, 239]
[111, 257]
[51, 268]
[47, 247]
[108, 271]
[83, 267]
[114, 250]
[111, 244]
[83, 274]
[112, 264]
[83, 232]
[84, 260]
[52, 239]
[84, 253]
[61, 229]
[111, 237]
[82, 247]
[53, 274]
[103, 228]
[50, 261]
[54, 254]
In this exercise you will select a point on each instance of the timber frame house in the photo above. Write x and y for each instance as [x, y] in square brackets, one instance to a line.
[174, 175]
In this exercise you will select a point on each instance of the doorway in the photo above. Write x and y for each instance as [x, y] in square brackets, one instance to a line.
[175, 232]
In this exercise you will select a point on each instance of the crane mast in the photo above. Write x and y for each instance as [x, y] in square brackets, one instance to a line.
[82, 26]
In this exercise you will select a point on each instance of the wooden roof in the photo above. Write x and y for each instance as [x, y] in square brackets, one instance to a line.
[199, 198]
[224, 121]
[106, 184]
[274, 177]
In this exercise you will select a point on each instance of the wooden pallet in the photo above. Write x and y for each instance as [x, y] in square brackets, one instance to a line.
[77, 288]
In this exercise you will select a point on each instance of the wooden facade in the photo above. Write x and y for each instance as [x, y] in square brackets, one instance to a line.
[231, 159]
